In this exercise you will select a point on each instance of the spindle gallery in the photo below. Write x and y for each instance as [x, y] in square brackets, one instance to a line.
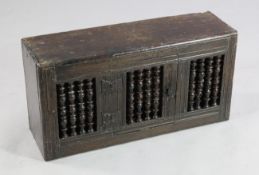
[96, 87]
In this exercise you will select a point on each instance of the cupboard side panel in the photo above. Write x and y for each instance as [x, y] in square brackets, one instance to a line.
[32, 95]
[230, 62]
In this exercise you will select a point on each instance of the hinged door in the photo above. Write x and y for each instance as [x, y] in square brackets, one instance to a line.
[150, 93]
[202, 79]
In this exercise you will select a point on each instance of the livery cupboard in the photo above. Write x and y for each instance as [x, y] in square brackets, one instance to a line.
[92, 88]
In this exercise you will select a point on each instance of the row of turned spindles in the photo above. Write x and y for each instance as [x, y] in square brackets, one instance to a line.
[143, 95]
[76, 108]
[205, 82]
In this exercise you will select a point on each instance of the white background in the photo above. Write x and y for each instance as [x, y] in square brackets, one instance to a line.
[230, 147]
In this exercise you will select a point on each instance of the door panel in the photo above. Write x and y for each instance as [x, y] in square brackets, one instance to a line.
[201, 83]
[144, 94]
[110, 100]
[150, 94]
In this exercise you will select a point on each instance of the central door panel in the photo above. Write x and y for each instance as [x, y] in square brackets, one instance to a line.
[110, 101]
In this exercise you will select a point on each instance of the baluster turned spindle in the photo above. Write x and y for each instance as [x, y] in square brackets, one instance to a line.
[207, 82]
[131, 97]
[81, 107]
[147, 94]
[72, 109]
[220, 77]
[192, 86]
[139, 95]
[90, 106]
[156, 91]
[199, 83]
[215, 81]
[62, 111]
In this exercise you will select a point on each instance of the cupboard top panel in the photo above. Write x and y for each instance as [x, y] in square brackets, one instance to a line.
[102, 43]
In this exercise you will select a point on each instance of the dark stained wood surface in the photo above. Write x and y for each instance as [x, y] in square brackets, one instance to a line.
[102, 42]
[92, 88]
